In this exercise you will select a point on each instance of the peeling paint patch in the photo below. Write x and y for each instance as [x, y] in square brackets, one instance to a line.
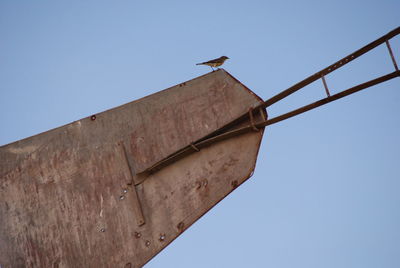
[23, 150]
[101, 206]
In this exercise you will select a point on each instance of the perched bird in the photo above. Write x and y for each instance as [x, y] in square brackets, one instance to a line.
[214, 62]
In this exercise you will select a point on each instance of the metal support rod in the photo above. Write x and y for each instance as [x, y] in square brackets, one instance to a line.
[392, 55]
[229, 134]
[326, 86]
[136, 204]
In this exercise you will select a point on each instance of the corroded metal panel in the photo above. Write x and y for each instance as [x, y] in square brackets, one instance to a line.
[71, 197]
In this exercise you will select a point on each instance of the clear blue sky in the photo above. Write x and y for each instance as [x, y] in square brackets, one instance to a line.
[326, 190]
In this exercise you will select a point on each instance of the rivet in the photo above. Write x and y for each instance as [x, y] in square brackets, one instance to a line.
[125, 191]
[138, 235]
[162, 237]
[205, 182]
[93, 117]
[198, 185]
[102, 230]
[234, 183]
[147, 243]
[121, 197]
[180, 226]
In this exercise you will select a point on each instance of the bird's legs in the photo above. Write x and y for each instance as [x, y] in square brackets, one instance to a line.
[212, 68]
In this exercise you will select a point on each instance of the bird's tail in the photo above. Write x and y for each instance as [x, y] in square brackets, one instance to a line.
[199, 63]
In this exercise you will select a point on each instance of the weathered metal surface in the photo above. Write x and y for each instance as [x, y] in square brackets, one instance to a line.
[71, 197]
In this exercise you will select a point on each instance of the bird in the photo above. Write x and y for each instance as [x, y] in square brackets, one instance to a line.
[215, 62]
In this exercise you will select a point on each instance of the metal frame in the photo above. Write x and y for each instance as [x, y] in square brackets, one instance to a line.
[227, 132]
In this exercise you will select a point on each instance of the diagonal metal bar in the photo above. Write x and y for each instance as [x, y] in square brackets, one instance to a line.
[325, 86]
[392, 55]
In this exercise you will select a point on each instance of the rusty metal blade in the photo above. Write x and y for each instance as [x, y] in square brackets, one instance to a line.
[70, 197]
